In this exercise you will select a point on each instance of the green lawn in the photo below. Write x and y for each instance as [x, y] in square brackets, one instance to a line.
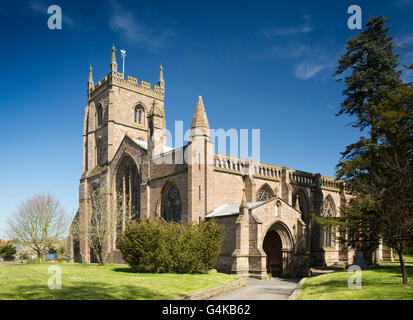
[407, 257]
[378, 283]
[114, 281]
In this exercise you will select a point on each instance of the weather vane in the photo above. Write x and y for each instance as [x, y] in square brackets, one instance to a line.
[123, 54]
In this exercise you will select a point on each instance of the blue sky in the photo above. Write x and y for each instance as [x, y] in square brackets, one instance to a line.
[261, 64]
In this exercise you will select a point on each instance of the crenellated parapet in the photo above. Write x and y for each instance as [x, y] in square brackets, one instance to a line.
[130, 83]
[115, 78]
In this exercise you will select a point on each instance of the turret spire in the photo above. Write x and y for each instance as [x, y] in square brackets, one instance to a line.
[200, 124]
[113, 64]
[161, 82]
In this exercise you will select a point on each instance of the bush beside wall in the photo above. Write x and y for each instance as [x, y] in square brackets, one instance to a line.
[156, 246]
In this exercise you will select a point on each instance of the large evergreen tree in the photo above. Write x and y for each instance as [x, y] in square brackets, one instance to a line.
[378, 168]
[369, 71]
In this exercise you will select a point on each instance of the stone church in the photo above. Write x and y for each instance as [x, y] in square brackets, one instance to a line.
[266, 210]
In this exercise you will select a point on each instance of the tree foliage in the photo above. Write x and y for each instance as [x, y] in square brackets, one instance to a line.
[369, 70]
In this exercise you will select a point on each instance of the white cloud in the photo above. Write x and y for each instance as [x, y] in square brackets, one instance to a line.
[306, 71]
[133, 30]
[281, 51]
[286, 31]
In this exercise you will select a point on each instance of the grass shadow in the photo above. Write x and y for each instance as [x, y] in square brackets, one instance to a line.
[125, 269]
[83, 291]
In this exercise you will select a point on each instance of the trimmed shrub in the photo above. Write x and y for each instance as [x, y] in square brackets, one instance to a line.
[157, 246]
[7, 252]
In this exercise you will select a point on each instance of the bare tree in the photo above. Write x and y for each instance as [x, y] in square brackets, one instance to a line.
[105, 220]
[38, 223]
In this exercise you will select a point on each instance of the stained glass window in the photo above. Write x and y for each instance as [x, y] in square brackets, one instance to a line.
[326, 231]
[264, 193]
[172, 205]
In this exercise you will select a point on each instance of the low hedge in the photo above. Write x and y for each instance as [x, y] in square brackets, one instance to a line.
[157, 246]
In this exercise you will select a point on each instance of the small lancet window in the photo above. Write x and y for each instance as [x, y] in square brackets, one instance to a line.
[139, 114]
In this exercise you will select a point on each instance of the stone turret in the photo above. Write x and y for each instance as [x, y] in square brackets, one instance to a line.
[200, 166]
[156, 126]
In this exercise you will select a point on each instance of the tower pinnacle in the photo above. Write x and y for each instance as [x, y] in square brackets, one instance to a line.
[90, 83]
[90, 80]
[113, 64]
[161, 82]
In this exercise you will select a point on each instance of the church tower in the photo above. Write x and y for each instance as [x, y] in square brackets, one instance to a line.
[117, 107]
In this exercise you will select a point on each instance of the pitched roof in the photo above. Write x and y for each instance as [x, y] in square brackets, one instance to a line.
[230, 209]
[144, 145]
[233, 209]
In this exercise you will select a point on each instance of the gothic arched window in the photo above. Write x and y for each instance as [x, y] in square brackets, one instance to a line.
[326, 231]
[99, 115]
[140, 114]
[127, 193]
[171, 204]
[265, 193]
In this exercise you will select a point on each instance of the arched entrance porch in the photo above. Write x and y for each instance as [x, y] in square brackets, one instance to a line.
[278, 246]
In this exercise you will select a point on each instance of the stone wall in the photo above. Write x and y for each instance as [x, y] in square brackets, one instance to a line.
[225, 260]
